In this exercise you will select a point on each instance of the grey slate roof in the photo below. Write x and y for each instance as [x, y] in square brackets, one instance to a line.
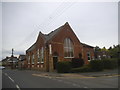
[21, 57]
[32, 47]
[47, 36]
[52, 34]
[85, 45]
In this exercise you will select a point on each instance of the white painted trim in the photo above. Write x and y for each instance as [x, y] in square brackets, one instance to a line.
[42, 62]
[68, 57]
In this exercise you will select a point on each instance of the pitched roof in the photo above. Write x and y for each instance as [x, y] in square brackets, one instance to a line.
[85, 45]
[47, 37]
[21, 57]
[32, 47]
[52, 34]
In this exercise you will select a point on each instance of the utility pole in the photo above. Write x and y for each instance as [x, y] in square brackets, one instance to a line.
[12, 58]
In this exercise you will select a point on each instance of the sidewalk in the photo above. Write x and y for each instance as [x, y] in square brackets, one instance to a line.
[102, 73]
[82, 75]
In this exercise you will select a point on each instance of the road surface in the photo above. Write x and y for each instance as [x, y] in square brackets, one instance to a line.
[33, 79]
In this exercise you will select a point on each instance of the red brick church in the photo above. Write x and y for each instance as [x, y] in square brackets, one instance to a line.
[59, 45]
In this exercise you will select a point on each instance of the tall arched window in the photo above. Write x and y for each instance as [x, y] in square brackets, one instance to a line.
[68, 48]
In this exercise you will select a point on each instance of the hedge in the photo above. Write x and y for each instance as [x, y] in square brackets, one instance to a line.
[97, 65]
[63, 67]
[110, 63]
[85, 68]
[77, 62]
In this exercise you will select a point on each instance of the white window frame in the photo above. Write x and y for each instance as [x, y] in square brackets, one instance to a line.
[68, 42]
[38, 56]
[28, 59]
[42, 55]
[33, 58]
[89, 56]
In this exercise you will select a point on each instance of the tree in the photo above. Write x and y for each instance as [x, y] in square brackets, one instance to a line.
[114, 52]
[97, 48]
[103, 49]
[110, 48]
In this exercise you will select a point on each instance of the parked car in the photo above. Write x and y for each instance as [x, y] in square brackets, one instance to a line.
[2, 67]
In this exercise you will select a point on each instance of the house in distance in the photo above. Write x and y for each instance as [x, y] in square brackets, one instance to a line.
[59, 45]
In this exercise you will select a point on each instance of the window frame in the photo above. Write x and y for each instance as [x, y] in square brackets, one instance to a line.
[68, 48]
[42, 55]
[33, 58]
[89, 56]
[28, 59]
[38, 56]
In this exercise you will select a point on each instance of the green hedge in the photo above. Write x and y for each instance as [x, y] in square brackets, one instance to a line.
[110, 63]
[97, 65]
[63, 67]
[77, 62]
[85, 68]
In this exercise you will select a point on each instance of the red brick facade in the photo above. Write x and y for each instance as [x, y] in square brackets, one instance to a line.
[49, 49]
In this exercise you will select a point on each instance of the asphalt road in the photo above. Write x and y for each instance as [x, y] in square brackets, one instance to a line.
[25, 79]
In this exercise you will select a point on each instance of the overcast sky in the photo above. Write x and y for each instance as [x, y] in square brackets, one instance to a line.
[94, 23]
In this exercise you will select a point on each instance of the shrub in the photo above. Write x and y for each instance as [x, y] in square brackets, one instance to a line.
[97, 65]
[77, 62]
[63, 66]
[110, 63]
[85, 68]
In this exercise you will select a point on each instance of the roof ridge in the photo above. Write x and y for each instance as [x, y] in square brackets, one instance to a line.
[54, 32]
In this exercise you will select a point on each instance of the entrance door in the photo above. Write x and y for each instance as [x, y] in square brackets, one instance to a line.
[55, 60]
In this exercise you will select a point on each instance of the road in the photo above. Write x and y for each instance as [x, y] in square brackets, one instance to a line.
[34, 79]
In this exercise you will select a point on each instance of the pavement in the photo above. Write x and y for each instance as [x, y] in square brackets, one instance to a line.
[113, 72]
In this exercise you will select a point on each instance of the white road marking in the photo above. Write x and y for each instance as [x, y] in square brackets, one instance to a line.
[59, 80]
[11, 79]
[17, 87]
[54, 79]
[6, 74]
[85, 87]
[74, 84]
[49, 77]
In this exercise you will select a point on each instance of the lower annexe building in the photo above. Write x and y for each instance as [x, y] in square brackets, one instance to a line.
[59, 45]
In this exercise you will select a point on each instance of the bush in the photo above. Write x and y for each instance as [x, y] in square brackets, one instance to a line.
[63, 67]
[85, 68]
[110, 63]
[97, 65]
[77, 62]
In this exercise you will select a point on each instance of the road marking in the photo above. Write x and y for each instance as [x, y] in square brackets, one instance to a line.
[74, 84]
[54, 79]
[17, 87]
[59, 80]
[11, 79]
[49, 77]
[6, 74]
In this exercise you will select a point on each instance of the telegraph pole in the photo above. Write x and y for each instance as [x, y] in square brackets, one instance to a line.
[12, 58]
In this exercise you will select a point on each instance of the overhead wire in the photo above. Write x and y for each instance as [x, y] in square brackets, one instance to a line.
[51, 18]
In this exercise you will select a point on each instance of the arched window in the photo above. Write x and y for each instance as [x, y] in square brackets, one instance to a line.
[68, 48]
[33, 58]
[38, 55]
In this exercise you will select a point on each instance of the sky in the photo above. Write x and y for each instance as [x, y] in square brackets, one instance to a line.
[94, 23]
